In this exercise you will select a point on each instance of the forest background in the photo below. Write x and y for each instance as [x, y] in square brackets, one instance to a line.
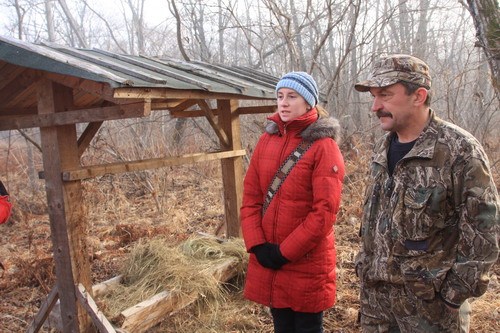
[334, 40]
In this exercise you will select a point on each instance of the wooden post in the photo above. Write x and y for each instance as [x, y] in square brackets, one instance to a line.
[232, 168]
[66, 211]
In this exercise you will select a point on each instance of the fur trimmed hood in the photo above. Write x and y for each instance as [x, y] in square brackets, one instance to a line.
[324, 127]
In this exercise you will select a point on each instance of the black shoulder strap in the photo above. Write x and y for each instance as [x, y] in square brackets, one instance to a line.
[284, 171]
[3, 190]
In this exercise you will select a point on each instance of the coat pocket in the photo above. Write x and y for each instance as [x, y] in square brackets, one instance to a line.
[422, 211]
[418, 281]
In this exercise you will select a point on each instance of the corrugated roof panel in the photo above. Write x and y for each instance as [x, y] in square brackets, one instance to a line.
[137, 71]
[44, 58]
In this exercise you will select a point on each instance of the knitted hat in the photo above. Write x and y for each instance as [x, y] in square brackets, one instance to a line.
[303, 84]
[391, 69]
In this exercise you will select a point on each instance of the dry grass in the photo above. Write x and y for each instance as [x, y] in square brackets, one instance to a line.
[155, 265]
[130, 213]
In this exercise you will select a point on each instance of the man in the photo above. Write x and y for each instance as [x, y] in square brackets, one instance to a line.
[431, 213]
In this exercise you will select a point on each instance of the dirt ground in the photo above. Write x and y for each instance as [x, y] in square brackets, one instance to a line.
[118, 218]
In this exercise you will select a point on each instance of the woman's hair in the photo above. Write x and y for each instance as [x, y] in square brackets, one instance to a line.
[322, 111]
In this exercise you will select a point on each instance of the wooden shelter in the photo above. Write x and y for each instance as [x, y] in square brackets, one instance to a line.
[54, 88]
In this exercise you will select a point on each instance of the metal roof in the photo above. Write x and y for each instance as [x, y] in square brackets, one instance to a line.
[119, 70]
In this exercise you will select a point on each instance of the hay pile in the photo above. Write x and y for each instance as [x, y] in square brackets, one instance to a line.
[154, 266]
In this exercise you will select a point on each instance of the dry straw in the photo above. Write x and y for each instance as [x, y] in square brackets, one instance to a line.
[154, 266]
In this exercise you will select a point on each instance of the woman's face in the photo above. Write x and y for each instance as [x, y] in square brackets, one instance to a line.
[291, 105]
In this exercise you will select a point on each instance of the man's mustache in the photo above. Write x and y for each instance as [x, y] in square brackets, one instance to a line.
[382, 113]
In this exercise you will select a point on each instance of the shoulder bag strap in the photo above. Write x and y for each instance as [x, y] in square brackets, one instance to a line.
[284, 171]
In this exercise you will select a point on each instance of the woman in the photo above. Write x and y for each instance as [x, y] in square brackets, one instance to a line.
[291, 238]
[5, 205]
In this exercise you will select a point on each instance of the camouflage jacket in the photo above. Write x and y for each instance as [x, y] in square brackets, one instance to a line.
[433, 225]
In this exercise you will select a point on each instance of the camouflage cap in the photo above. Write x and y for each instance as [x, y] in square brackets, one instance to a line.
[396, 67]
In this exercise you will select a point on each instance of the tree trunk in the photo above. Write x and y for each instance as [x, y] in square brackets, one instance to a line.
[486, 18]
[49, 14]
[73, 24]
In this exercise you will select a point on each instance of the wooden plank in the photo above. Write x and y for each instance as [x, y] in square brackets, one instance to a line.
[105, 287]
[87, 136]
[139, 109]
[9, 73]
[241, 110]
[141, 317]
[190, 113]
[17, 111]
[213, 122]
[75, 212]
[167, 93]
[18, 85]
[98, 318]
[169, 104]
[148, 164]
[44, 311]
[256, 109]
[47, 103]
[99, 89]
[183, 105]
[232, 169]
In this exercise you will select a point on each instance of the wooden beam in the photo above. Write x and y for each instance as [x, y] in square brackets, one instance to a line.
[241, 110]
[155, 163]
[100, 89]
[141, 317]
[87, 136]
[9, 73]
[166, 105]
[98, 318]
[256, 109]
[166, 93]
[16, 111]
[103, 288]
[232, 168]
[183, 106]
[139, 109]
[21, 82]
[44, 311]
[190, 113]
[55, 198]
[213, 122]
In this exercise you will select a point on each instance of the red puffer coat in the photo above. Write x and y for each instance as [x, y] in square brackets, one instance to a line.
[300, 217]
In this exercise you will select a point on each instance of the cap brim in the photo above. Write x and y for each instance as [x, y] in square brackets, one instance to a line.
[366, 85]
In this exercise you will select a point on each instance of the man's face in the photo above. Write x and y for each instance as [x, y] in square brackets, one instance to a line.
[393, 107]
[291, 105]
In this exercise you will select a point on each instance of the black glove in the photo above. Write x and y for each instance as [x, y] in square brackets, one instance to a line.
[269, 255]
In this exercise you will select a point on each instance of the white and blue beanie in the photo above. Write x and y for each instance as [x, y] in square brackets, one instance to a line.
[303, 84]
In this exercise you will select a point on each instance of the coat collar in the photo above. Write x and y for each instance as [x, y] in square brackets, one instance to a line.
[310, 126]
[424, 146]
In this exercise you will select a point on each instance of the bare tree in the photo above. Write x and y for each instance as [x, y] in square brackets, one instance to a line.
[49, 14]
[75, 28]
[486, 16]
[137, 25]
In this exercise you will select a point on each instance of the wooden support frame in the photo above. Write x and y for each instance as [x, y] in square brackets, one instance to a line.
[232, 168]
[60, 150]
[177, 113]
[44, 311]
[87, 136]
[154, 163]
[56, 115]
[221, 134]
[98, 318]
[138, 109]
